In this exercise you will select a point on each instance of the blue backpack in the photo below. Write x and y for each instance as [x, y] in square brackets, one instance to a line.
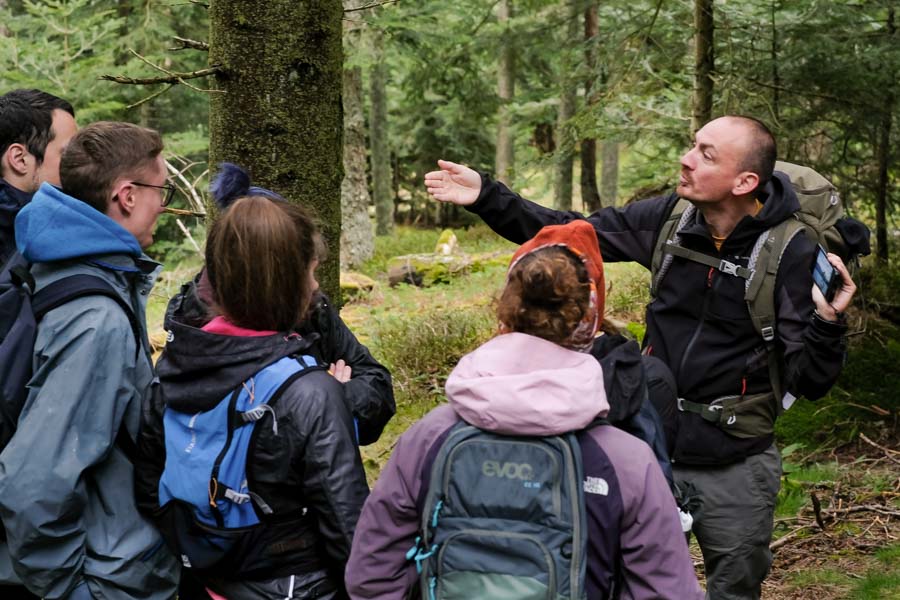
[21, 309]
[503, 518]
[212, 518]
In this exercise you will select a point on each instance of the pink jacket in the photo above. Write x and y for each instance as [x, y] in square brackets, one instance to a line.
[520, 384]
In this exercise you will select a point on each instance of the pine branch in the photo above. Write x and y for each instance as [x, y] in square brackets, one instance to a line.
[188, 44]
[368, 6]
[173, 78]
[152, 96]
[170, 76]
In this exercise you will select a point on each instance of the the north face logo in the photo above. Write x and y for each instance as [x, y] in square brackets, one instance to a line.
[596, 485]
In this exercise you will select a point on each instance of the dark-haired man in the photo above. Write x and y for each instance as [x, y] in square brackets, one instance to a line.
[66, 480]
[34, 128]
[700, 326]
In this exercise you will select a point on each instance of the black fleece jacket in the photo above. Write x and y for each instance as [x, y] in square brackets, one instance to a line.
[699, 324]
[311, 463]
[11, 202]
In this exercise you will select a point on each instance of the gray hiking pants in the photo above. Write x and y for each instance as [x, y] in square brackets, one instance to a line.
[734, 523]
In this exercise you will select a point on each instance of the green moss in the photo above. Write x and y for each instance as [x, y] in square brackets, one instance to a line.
[827, 577]
[890, 555]
[878, 585]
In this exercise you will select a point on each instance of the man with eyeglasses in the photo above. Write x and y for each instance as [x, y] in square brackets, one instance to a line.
[66, 478]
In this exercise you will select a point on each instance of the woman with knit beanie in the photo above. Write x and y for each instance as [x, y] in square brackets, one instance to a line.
[533, 380]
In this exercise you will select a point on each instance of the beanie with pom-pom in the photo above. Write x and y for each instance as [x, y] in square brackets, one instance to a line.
[233, 182]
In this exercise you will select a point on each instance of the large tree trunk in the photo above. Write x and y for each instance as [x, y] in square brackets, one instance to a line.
[506, 83]
[357, 237]
[704, 63]
[609, 180]
[590, 196]
[884, 159]
[565, 141]
[280, 113]
[382, 188]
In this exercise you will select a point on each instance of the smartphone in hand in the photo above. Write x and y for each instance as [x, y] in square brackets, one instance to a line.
[825, 276]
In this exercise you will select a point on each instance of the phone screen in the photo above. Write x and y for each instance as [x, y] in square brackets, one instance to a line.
[824, 274]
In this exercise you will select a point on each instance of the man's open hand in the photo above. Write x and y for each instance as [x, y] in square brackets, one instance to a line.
[454, 183]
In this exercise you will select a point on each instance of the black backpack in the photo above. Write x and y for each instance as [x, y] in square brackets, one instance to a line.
[21, 309]
[633, 406]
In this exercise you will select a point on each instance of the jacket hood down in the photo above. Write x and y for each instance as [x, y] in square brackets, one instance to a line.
[197, 368]
[55, 226]
[521, 384]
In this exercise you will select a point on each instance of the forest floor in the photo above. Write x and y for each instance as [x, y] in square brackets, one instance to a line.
[837, 530]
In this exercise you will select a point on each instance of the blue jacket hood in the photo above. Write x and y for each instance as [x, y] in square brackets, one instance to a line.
[55, 226]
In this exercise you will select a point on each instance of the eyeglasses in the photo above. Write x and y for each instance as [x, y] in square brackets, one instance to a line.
[170, 190]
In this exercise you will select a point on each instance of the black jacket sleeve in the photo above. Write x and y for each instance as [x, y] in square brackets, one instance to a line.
[369, 392]
[625, 234]
[814, 349]
[334, 481]
[150, 459]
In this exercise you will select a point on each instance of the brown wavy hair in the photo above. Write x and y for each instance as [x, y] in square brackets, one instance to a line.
[546, 295]
[258, 258]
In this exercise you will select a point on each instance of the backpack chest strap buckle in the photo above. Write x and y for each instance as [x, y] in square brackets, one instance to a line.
[730, 268]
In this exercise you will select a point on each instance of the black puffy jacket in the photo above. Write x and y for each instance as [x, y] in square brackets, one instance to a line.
[311, 463]
[369, 392]
[699, 324]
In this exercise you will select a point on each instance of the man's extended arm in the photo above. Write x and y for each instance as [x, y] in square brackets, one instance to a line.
[625, 234]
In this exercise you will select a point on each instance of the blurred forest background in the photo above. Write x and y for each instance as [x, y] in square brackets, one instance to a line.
[575, 103]
[581, 102]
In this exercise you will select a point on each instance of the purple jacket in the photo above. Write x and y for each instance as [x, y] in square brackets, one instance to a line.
[520, 384]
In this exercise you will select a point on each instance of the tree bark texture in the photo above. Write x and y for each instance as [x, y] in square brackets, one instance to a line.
[590, 195]
[884, 159]
[280, 114]
[609, 177]
[704, 63]
[565, 142]
[382, 188]
[506, 82]
[357, 237]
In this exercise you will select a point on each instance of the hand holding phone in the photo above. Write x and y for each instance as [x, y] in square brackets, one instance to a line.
[833, 288]
[825, 276]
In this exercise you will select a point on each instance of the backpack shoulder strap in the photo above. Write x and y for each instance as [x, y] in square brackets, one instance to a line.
[765, 258]
[285, 372]
[659, 262]
[69, 288]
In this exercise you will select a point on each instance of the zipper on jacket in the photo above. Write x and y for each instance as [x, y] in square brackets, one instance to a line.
[702, 321]
[213, 477]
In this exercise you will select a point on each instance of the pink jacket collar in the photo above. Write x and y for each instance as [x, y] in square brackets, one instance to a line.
[520, 384]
